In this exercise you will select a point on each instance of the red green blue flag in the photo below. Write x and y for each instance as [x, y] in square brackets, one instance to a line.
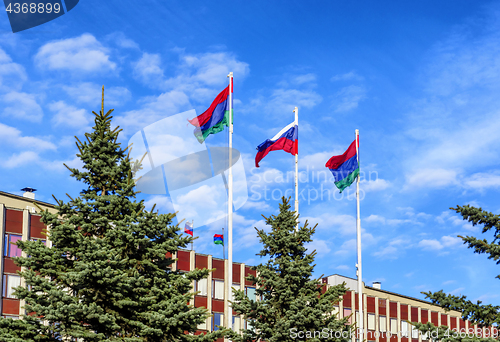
[345, 168]
[214, 119]
[218, 239]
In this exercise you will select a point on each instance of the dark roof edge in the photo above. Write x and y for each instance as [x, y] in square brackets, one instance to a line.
[7, 194]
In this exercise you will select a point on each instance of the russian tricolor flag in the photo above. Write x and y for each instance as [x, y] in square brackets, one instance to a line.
[188, 228]
[345, 168]
[287, 140]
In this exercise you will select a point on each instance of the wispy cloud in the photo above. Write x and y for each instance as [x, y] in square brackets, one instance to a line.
[83, 54]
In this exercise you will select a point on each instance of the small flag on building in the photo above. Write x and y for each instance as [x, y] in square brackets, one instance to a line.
[345, 168]
[188, 228]
[219, 239]
[287, 140]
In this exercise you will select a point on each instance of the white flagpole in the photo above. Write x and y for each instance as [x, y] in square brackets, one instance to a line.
[296, 110]
[192, 227]
[229, 312]
[359, 268]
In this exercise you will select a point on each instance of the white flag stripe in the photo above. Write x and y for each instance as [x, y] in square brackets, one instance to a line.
[277, 136]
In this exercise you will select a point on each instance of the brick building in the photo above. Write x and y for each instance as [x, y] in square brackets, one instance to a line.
[385, 313]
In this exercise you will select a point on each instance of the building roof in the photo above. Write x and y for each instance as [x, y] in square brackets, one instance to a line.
[30, 200]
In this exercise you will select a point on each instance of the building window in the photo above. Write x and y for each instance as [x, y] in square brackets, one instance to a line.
[250, 325]
[218, 319]
[11, 250]
[347, 313]
[394, 326]
[251, 293]
[404, 329]
[218, 289]
[9, 283]
[236, 323]
[382, 323]
[43, 241]
[201, 287]
[371, 321]
[202, 326]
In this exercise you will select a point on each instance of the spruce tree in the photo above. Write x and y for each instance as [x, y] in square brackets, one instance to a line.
[291, 305]
[479, 314]
[106, 276]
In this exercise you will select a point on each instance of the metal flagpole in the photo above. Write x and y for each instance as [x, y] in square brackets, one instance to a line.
[223, 246]
[359, 268]
[192, 241]
[229, 312]
[296, 110]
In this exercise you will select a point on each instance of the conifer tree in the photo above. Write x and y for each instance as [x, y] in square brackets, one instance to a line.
[292, 306]
[106, 276]
[478, 314]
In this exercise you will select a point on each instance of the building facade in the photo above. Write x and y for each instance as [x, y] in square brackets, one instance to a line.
[386, 314]
[19, 220]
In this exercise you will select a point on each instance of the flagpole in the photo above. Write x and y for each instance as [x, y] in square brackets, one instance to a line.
[296, 110]
[223, 248]
[229, 312]
[192, 241]
[359, 268]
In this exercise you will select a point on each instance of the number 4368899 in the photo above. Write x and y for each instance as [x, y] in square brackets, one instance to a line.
[33, 7]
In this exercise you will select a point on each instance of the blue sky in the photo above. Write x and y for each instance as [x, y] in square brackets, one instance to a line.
[420, 80]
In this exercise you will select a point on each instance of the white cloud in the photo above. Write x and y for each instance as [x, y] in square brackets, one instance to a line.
[202, 75]
[81, 54]
[32, 159]
[121, 40]
[12, 75]
[69, 116]
[12, 136]
[431, 178]
[343, 224]
[375, 219]
[348, 98]
[22, 106]
[388, 252]
[20, 159]
[321, 247]
[374, 185]
[148, 69]
[430, 244]
[283, 101]
[91, 93]
[457, 291]
[455, 124]
[153, 109]
[349, 76]
[481, 181]
[306, 78]
[435, 245]
[343, 268]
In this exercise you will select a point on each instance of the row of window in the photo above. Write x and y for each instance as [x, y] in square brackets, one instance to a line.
[218, 319]
[393, 324]
[218, 289]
